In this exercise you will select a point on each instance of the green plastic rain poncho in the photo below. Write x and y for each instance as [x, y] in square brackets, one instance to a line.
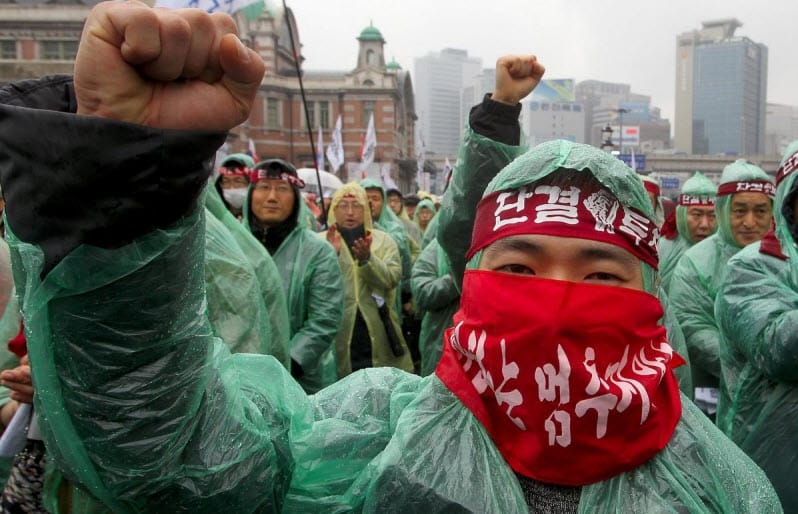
[695, 283]
[431, 234]
[381, 275]
[237, 271]
[141, 407]
[413, 234]
[757, 312]
[425, 452]
[671, 249]
[236, 160]
[148, 412]
[311, 279]
[389, 223]
[9, 327]
[426, 203]
[436, 295]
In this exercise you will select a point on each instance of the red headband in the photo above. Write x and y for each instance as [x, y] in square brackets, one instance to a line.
[240, 171]
[747, 186]
[787, 168]
[551, 210]
[261, 174]
[651, 187]
[700, 201]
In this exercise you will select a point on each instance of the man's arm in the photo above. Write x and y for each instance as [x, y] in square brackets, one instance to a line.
[489, 143]
[135, 394]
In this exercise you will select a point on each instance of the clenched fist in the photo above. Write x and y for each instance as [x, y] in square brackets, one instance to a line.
[173, 69]
[516, 77]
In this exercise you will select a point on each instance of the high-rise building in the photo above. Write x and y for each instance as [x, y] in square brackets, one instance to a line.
[721, 87]
[440, 80]
[473, 91]
[782, 128]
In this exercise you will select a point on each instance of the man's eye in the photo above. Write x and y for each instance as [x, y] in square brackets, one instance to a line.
[516, 269]
[603, 277]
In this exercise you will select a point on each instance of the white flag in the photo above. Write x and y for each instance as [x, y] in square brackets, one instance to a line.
[369, 144]
[252, 152]
[335, 152]
[210, 6]
[320, 152]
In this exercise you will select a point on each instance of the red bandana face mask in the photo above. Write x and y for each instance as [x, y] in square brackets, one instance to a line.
[572, 381]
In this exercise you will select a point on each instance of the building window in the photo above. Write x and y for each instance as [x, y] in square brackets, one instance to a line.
[8, 49]
[319, 114]
[272, 113]
[371, 57]
[368, 111]
[324, 114]
[311, 115]
[58, 50]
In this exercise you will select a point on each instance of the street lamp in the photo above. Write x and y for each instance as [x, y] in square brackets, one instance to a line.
[606, 138]
[621, 111]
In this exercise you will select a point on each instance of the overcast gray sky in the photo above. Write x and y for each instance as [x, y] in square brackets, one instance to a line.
[630, 41]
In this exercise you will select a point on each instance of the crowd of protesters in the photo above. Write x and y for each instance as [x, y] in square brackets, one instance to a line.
[551, 335]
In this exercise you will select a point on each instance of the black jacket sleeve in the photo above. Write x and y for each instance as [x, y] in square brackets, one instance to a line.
[70, 180]
[496, 121]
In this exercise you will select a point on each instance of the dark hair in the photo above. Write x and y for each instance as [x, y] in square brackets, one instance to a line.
[411, 200]
[274, 167]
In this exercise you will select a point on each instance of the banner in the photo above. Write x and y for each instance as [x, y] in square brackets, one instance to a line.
[211, 6]
[369, 147]
[335, 152]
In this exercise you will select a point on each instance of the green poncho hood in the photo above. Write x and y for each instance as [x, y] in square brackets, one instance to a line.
[551, 156]
[425, 203]
[739, 170]
[698, 186]
[786, 194]
[240, 158]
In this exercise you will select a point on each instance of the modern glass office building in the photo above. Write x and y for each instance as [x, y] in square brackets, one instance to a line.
[721, 87]
[729, 97]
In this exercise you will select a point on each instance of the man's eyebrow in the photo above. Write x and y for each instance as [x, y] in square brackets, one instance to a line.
[751, 205]
[517, 244]
[608, 253]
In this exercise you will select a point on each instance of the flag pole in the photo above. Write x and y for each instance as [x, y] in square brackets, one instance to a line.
[307, 115]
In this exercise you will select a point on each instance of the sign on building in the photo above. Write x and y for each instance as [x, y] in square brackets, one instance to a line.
[639, 161]
[631, 135]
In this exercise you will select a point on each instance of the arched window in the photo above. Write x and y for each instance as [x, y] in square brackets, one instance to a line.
[371, 57]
